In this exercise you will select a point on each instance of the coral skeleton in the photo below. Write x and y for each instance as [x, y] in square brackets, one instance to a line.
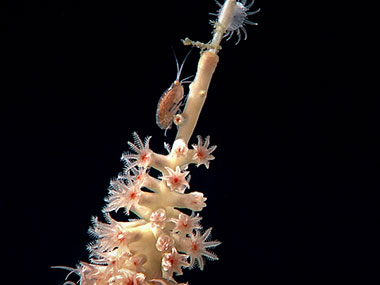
[163, 241]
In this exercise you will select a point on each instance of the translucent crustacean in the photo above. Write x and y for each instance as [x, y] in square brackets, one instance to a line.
[171, 100]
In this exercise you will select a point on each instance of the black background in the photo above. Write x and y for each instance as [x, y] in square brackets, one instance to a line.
[290, 193]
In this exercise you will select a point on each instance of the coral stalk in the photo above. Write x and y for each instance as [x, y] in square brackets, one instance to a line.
[224, 20]
[197, 95]
[164, 240]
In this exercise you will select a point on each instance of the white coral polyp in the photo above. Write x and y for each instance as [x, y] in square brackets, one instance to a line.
[158, 218]
[180, 148]
[173, 262]
[197, 247]
[186, 224]
[176, 180]
[142, 154]
[202, 152]
[164, 242]
[195, 201]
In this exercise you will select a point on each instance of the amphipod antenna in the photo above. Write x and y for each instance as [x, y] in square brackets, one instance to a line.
[179, 68]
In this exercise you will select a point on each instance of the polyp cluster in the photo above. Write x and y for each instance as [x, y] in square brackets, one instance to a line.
[165, 240]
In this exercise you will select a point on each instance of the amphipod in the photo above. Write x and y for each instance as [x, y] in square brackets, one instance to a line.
[170, 101]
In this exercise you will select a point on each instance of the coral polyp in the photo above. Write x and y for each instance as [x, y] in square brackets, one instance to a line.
[239, 19]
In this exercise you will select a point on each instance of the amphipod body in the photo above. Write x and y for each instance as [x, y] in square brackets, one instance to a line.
[169, 104]
[170, 101]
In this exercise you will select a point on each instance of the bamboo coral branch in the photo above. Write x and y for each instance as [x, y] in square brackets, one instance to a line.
[206, 67]
[224, 20]
[197, 95]
[164, 240]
